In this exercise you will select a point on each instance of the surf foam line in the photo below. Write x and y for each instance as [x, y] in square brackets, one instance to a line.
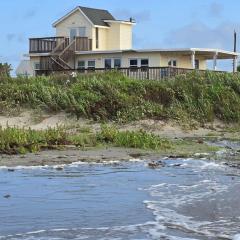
[70, 165]
[128, 229]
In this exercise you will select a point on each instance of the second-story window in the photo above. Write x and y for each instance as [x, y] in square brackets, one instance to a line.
[97, 38]
[82, 32]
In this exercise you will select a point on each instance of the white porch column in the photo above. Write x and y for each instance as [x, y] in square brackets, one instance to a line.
[215, 61]
[235, 64]
[193, 60]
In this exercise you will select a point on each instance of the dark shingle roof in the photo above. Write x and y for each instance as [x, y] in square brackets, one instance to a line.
[96, 16]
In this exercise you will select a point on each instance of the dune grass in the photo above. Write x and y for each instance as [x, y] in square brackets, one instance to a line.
[132, 139]
[20, 141]
[113, 97]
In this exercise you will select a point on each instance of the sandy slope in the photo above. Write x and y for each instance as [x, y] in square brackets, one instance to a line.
[29, 119]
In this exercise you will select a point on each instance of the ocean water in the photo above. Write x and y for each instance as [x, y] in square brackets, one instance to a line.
[185, 200]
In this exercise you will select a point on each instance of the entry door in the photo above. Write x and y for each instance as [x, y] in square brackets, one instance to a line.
[73, 33]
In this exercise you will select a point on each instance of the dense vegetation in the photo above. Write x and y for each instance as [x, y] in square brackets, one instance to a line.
[15, 140]
[111, 96]
[5, 70]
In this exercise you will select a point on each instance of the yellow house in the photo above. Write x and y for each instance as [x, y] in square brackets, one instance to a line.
[92, 39]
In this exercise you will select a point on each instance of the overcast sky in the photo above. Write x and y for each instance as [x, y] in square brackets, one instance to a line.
[160, 23]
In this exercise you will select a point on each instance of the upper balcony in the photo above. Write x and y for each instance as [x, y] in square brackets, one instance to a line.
[58, 44]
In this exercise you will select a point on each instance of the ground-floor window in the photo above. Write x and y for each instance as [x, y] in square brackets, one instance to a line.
[172, 63]
[91, 64]
[37, 66]
[112, 63]
[117, 63]
[133, 63]
[108, 63]
[196, 64]
[81, 64]
[144, 64]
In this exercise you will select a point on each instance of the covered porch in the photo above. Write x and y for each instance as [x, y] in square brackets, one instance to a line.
[214, 55]
[195, 58]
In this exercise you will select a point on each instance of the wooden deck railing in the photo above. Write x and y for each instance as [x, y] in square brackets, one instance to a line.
[150, 73]
[47, 45]
[83, 44]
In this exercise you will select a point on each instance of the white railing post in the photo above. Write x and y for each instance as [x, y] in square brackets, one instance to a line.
[215, 61]
[193, 60]
[235, 64]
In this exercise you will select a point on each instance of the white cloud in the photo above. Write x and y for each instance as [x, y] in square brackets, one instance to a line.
[216, 9]
[198, 34]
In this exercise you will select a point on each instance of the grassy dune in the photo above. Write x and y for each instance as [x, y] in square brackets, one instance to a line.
[113, 97]
[189, 99]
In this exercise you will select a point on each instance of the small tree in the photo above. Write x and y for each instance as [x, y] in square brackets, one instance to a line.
[5, 69]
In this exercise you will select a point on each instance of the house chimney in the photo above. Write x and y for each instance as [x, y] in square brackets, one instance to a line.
[132, 20]
[235, 42]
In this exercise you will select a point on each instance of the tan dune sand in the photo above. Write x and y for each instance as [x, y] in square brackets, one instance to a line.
[28, 119]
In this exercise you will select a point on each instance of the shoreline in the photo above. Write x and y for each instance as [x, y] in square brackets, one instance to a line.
[184, 143]
[101, 155]
[74, 155]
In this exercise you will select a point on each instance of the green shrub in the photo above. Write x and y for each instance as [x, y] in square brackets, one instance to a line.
[132, 139]
[5, 70]
[200, 97]
[21, 141]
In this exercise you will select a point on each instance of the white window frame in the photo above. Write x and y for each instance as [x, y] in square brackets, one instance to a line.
[171, 61]
[144, 65]
[104, 61]
[81, 67]
[35, 66]
[113, 62]
[133, 66]
[78, 31]
[195, 64]
[91, 60]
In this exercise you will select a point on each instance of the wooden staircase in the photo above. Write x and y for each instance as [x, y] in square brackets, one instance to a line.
[61, 58]
[60, 51]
